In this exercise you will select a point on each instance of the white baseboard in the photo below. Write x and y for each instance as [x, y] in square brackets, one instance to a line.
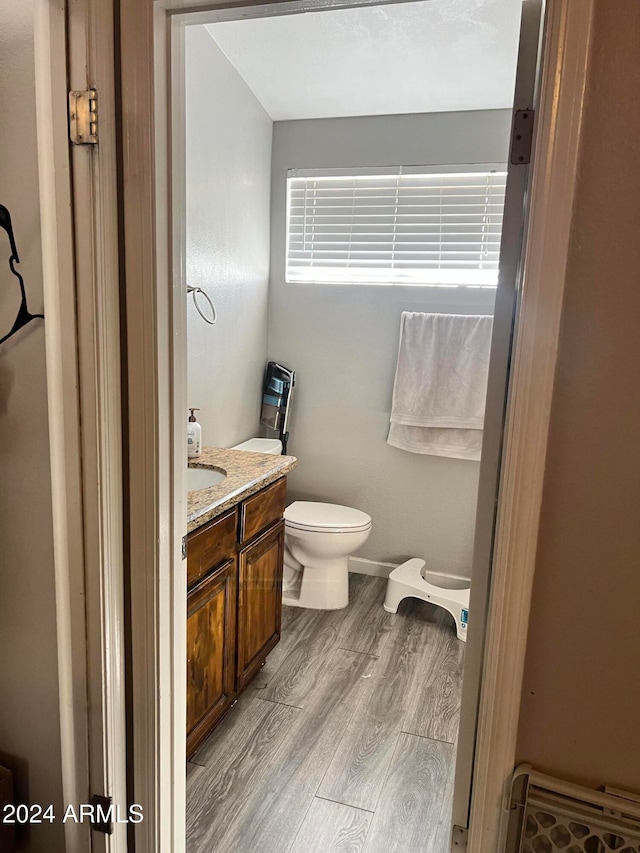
[360, 566]
[370, 567]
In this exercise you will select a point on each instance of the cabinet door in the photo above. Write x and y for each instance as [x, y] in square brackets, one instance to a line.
[259, 601]
[211, 636]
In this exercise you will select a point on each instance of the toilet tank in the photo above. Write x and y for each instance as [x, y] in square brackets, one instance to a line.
[261, 445]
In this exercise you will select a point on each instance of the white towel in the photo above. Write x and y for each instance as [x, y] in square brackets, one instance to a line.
[441, 384]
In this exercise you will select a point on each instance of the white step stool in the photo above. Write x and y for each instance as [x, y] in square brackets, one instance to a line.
[406, 581]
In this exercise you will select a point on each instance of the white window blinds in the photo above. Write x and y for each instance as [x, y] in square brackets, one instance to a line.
[417, 227]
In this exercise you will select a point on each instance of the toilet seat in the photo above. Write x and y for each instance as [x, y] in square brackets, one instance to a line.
[325, 518]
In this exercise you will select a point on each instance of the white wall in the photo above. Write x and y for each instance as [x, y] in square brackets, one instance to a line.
[342, 341]
[29, 717]
[228, 210]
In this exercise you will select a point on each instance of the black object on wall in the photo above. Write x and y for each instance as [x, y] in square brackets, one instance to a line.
[277, 390]
[24, 315]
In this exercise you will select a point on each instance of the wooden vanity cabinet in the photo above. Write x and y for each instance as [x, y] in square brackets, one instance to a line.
[234, 604]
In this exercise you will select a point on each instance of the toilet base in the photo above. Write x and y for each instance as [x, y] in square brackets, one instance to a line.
[323, 587]
[406, 581]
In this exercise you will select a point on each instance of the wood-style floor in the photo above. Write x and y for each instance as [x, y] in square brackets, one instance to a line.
[345, 741]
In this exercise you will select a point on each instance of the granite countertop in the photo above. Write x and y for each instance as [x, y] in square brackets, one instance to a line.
[246, 472]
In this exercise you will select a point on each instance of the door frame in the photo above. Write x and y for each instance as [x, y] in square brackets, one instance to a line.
[155, 311]
[527, 92]
[73, 48]
[565, 70]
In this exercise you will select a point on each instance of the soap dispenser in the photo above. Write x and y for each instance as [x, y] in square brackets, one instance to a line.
[194, 436]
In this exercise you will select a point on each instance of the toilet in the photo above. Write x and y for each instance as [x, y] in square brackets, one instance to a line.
[319, 538]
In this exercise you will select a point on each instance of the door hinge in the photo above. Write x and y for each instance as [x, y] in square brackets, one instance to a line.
[83, 117]
[102, 819]
[184, 547]
[459, 837]
[522, 139]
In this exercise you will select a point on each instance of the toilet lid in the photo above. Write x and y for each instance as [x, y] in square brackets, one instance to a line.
[309, 515]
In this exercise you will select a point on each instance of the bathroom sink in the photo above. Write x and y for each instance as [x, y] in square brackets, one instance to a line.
[203, 478]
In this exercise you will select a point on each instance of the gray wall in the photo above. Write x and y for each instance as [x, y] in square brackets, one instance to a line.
[343, 341]
[581, 691]
[29, 716]
[228, 211]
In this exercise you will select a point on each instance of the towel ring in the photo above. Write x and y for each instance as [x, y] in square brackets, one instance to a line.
[194, 292]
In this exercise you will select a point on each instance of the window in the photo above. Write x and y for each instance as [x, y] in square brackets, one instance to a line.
[415, 226]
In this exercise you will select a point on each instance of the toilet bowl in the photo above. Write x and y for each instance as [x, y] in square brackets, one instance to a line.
[319, 538]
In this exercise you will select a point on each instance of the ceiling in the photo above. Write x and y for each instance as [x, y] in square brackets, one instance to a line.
[425, 56]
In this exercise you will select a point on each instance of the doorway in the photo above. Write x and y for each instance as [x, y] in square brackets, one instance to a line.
[566, 28]
[304, 144]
